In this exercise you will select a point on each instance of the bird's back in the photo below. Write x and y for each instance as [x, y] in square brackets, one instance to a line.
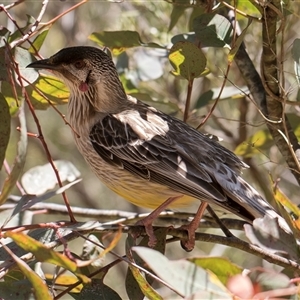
[159, 156]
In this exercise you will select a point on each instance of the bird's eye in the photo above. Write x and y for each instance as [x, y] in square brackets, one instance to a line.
[79, 64]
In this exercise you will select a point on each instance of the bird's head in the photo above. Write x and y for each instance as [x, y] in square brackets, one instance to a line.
[88, 72]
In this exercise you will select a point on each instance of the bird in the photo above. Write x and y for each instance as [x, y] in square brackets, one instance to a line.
[150, 158]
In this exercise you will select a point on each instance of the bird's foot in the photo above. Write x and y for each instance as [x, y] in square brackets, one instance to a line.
[147, 221]
[188, 244]
[149, 231]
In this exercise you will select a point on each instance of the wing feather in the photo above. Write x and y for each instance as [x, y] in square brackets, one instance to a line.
[164, 150]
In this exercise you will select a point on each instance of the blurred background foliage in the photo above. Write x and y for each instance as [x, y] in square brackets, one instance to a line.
[147, 73]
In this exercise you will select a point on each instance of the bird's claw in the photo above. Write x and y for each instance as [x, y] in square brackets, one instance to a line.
[188, 243]
[149, 231]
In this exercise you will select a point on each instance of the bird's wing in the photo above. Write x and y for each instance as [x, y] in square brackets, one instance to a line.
[162, 149]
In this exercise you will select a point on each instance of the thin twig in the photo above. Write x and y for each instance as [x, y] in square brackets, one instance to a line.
[188, 100]
[26, 37]
[35, 24]
[225, 230]
[12, 44]
[9, 6]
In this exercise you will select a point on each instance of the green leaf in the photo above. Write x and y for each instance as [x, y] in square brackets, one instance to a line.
[256, 144]
[137, 286]
[4, 128]
[250, 8]
[187, 60]
[287, 209]
[52, 88]
[177, 12]
[220, 266]
[298, 94]
[10, 97]
[19, 162]
[183, 276]
[119, 41]
[38, 42]
[213, 30]
[3, 66]
[197, 11]
[184, 37]
[44, 254]
[40, 290]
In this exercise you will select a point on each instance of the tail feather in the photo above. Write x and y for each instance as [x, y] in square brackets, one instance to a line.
[248, 199]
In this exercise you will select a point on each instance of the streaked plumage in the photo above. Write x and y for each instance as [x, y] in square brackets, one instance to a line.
[143, 154]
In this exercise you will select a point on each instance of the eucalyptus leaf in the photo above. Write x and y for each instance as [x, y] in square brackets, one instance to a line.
[3, 66]
[54, 90]
[19, 161]
[13, 100]
[38, 42]
[119, 41]
[39, 179]
[189, 37]
[4, 128]
[183, 276]
[213, 30]
[24, 58]
[177, 12]
[28, 201]
[187, 60]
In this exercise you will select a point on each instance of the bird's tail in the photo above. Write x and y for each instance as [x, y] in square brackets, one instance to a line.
[258, 205]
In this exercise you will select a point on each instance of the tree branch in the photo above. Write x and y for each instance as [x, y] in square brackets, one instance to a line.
[264, 90]
[273, 107]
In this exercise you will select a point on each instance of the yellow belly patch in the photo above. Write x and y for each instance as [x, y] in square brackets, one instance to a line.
[151, 195]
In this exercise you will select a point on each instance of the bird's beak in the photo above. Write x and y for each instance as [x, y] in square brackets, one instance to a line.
[43, 64]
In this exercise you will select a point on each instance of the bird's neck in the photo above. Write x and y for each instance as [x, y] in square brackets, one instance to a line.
[110, 98]
[85, 108]
[80, 113]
